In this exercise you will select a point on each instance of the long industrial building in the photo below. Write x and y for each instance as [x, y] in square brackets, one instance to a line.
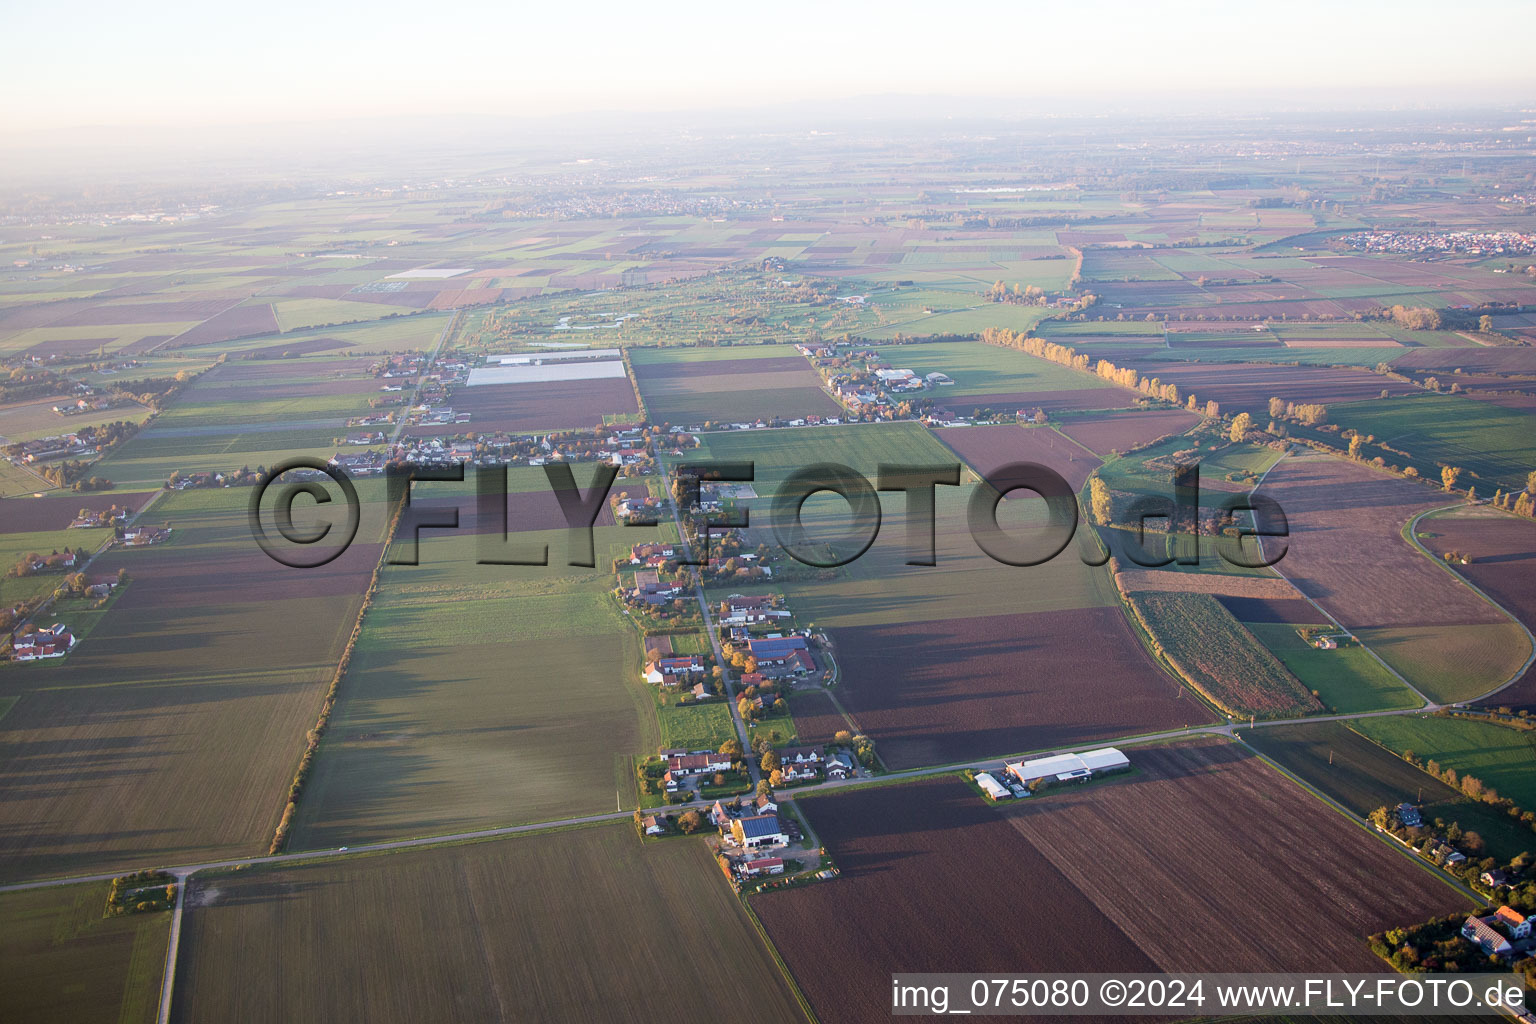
[1069, 767]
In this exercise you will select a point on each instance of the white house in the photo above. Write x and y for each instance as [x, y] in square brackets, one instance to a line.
[990, 786]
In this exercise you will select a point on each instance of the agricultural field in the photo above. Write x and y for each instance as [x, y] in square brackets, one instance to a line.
[733, 384]
[1362, 776]
[1347, 679]
[1346, 552]
[182, 699]
[1146, 867]
[483, 695]
[1111, 433]
[950, 690]
[1250, 387]
[62, 959]
[988, 448]
[1500, 549]
[246, 414]
[1220, 657]
[1501, 756]
[648, 939]
[551, 405]
[968, 657]
[726, 307]
[991, 376]
[1496, 447]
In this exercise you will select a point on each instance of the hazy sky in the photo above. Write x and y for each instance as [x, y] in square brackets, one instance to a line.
[109, 63]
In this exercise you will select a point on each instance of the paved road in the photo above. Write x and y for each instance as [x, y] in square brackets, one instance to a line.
[714, 642]
[437, 347]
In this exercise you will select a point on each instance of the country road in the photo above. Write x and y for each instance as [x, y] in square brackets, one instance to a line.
[714, 643]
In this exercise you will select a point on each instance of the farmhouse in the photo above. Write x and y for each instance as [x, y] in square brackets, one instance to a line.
[653, 825]
[1515, 923]
[840, 766]
[759, 830]
[669, 671]
[1409, 816]
[697, 764]
[1480, 931]
[787, 653]
[144, 536]
[1069, 767]
[52, 642]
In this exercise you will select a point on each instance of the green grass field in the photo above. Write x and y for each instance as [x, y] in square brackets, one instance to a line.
[61, 960]
[1347, 679]
[448, 931]
[1362, 776]
[1496, 444]
[1503, 757]
[482, 695]
[981, 369]
[695, 726]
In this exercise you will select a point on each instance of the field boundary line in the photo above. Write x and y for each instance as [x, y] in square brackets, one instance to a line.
[1410, 534]
[773, 951]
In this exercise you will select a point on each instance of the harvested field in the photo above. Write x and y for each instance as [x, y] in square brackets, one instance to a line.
[1261, 588]
[554, 405]
[906, 899]
[1346, 552]
[1362, 776]
[240, 322]
[67, 347]
[61, 960]
[55, 512]
[1158, 853]
[1247, 386]
[653, 928]
[680, 370]
[1503, 553]
[691, 386]
[943, 691]
[744, 403]
[1123, 431]
[816, 718]
[145, 313]
[297, 348]
[1147, 868]
[1297, 611]
[1073, 400]
[217, 659]
[988, 448]
[1503, 359]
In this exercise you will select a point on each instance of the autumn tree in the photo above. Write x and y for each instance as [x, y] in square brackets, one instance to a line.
[1448, 475]
[1100, 502]
[1240, 425]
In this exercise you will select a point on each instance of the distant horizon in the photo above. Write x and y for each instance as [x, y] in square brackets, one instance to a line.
[186, 68]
